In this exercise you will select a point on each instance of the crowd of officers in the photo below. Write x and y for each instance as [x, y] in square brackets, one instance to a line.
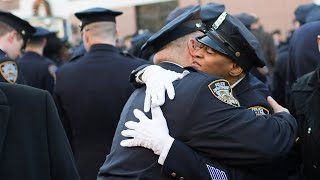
[91, 91]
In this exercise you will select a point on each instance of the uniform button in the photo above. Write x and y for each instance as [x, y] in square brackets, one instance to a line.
[314, 166]
[173, 174]
[181, 178]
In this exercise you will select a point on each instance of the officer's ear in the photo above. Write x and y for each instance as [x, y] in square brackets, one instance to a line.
[11, 36]
[236, 70]
[193, 46]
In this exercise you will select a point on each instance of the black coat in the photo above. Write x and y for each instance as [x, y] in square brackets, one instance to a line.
[90, 94]
[36, 71]
[33, 144]
[306, 103]
[9, 71]
[203, 120]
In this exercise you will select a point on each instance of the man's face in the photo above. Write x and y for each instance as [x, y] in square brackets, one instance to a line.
[211, 62]
[15, 47]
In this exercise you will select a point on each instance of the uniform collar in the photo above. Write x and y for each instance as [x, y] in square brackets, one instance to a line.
[241, 85]
[103, 47]
[172, 66]
[2, 53]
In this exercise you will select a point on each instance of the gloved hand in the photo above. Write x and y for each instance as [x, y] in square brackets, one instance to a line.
[149, 133]
[158, 81]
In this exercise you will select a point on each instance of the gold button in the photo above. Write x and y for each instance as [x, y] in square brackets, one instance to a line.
[173, 174]
[181, 178]
[238, 54]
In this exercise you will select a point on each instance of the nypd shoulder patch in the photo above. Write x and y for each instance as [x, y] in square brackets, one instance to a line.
[222, 90]
[9, 71]
[216, 174]
[259, 110]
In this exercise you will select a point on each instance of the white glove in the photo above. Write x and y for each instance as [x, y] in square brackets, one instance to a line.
[149, 133]
[158, 81]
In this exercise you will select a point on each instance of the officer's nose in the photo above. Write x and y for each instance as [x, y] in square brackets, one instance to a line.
[199, 52]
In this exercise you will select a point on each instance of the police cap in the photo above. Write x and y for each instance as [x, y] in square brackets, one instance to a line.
[302, 11]
[96, 15]
[210, 12]
[178, 27]
[231, 38]
[246, 18]
[41, 32]
[20, 25]
[314, 15]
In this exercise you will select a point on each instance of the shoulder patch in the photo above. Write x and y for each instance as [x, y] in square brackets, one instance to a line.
[9, 71]
[259, 110]
[222, 90]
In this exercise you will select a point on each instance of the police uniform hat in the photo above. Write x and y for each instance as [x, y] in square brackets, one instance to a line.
[246, 19]
[178, 27]
[314, 15]
[302, 11]
[230, 37]
[41, 32]
[210, 12]
[96, 15]
[20, 25]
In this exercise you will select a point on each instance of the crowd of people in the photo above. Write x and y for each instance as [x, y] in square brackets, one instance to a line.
[211, 95]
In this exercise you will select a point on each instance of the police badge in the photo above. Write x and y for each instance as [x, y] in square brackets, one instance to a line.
[9, 71]
[221, 89]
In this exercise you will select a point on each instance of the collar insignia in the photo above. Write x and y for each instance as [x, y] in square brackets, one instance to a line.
[221, 89]
[9, 71]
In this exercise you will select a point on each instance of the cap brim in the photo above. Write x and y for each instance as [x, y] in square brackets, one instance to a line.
[211, 43]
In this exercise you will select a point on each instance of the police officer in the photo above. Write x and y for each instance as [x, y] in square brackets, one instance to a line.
[305, 104]
[89, 99]
[37, 70]
[33, 141]
[201, 115]
[14, 33]
[250, 92]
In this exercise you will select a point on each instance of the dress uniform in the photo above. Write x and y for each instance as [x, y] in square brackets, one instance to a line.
[9, 71]
[91, 93]
[37, 70]
[204, 115]
[33, 143]
[306, 102]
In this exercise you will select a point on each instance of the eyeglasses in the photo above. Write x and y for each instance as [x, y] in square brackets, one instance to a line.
[84, 30]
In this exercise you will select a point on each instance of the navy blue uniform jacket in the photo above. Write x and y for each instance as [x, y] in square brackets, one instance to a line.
[35, 70]
[90, 94]
[199, 119]
[33, 144]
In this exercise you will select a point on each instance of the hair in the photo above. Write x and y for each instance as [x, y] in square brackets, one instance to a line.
[177, 48]
[5, 28]
[36, 41]
[102, 30]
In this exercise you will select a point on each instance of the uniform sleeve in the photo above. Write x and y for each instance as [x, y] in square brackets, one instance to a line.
[183, 161]
[61, 158]
[234, 135]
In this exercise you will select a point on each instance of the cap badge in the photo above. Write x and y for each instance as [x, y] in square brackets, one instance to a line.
[221, 89]
[23, 32]
[9, 71]
[220, 20]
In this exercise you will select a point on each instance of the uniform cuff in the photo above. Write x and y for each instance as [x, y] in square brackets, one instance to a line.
[165, 151]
